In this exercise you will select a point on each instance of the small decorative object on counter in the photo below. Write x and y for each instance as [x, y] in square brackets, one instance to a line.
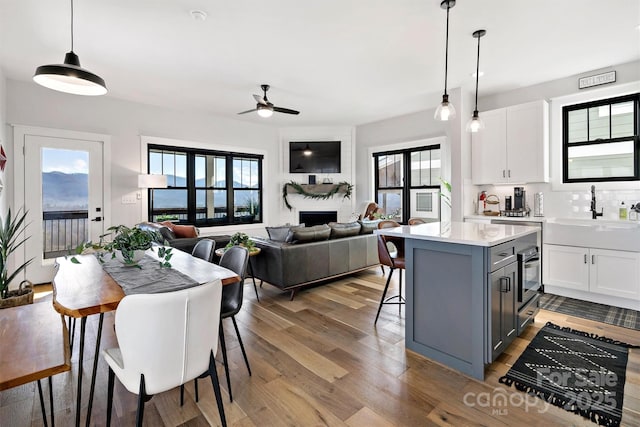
[633, 213]
[623, 211]
[538, 205]
[493, 201]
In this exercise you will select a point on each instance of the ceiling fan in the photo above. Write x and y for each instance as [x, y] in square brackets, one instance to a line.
[266, 108]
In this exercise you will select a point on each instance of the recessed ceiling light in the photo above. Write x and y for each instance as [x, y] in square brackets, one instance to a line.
[474, 74]
[199, 15]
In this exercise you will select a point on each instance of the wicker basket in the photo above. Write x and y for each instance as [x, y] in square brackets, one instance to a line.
[21, 296]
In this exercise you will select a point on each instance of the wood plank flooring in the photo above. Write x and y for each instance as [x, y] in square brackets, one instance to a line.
[319, 360]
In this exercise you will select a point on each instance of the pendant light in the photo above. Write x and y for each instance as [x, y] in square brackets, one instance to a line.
[476, 124]
[445, 110]
[70, 77]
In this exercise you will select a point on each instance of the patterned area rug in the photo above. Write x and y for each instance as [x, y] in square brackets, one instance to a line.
[593, 311]
[576, 371]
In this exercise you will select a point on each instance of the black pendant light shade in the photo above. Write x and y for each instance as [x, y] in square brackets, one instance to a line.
[70, 77]
[445, 110]
[475, 124]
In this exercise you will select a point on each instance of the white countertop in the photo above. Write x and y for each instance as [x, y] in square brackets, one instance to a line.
[509, 218]
[465, 233]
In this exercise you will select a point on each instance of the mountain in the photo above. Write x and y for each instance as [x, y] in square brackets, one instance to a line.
[64, 191]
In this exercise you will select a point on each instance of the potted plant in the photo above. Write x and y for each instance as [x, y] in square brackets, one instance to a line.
[241, 239]
[11, 229]
[128, 246]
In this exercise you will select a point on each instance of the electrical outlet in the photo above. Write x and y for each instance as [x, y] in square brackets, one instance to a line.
[129, 199]
[139, 195]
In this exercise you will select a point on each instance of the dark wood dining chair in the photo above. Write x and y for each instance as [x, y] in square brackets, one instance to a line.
[391, 254]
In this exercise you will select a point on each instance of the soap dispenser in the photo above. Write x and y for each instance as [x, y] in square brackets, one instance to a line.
[623, 211]
[633, 214]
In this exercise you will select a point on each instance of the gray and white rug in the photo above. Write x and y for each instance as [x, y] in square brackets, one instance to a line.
[592, 311]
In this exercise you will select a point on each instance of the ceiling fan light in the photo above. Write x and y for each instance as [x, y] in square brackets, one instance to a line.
[70, 77]
[475, 124]
[445, 110]
[264, 110]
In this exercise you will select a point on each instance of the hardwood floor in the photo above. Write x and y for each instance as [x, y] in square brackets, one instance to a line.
[319, 360]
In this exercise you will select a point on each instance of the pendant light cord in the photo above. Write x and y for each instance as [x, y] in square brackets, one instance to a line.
[477, 72]
[71, 25]
[446, 52]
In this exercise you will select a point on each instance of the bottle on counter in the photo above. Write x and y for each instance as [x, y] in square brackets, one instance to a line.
[623, 211]
[633, 213]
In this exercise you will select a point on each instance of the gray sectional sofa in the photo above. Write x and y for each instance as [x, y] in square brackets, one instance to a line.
[299, 256]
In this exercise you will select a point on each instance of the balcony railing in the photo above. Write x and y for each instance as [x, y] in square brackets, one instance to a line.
[63, 231]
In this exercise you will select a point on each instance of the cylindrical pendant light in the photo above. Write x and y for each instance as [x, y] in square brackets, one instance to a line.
[445, 110]
[70, 77]
[475, 124]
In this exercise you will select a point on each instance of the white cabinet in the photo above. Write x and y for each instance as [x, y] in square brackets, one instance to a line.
[514, 145]
[602, 271]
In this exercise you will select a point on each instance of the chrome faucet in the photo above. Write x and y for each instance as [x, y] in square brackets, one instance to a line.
[594, 213]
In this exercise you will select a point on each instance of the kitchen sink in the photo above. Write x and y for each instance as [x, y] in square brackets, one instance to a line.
[595, 233]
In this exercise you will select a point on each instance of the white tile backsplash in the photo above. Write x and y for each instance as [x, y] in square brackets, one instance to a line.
[570, 204]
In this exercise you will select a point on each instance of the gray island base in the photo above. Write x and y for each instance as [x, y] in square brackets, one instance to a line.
[461, 307]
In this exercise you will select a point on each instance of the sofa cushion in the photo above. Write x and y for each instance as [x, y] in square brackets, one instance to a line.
[311, 234]
[164, 231]
[367, 227]
[282, 233]
[339, 229]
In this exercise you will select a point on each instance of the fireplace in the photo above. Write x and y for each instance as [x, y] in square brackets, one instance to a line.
[310, 218]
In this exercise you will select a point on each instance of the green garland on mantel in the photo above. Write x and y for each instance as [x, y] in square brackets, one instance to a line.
[348, 188]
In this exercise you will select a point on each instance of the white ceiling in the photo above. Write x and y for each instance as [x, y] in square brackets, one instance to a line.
[340, 62]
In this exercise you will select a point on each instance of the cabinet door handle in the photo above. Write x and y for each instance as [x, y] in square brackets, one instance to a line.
[585, 258]
[509, 173]
[593, 259]
[503, 175]
[503, 284]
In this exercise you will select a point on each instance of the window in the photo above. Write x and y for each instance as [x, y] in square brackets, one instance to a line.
[206, 188]
[600, 140]
[407, 183]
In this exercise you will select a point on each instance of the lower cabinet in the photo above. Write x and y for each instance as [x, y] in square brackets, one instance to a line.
[601, 271]
[503, 284]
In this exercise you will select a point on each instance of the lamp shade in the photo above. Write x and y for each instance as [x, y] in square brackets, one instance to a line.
[70, 77]
[152, 181]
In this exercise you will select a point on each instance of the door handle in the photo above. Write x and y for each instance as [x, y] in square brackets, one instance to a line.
[97, 219]
[593, 259]
[503, 175]
[504, 282]
[509, 173]
[585, 258]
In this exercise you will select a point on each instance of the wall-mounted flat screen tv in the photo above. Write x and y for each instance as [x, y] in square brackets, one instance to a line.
[314, 157]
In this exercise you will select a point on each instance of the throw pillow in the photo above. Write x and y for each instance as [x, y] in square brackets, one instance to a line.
[340, 230]
[278, 234]
[311, 234]
[182, 231]
[367, 227]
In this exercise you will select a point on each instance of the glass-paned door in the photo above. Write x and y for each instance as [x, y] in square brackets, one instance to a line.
[389, 185]
[63, 194]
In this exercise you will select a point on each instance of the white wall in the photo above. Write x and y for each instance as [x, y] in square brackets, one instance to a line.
[569, 200]
[29, 104]
[4, 195]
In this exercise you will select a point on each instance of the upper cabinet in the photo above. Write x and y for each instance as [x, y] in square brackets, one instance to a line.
[514, 145]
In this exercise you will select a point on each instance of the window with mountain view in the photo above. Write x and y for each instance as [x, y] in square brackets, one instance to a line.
[206, 188]
[600, 140]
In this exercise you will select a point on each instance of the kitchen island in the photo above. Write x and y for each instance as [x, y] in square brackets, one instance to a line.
[461, 302]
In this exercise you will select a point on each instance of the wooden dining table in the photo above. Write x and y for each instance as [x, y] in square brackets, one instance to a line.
[34, 346]
[84, 288]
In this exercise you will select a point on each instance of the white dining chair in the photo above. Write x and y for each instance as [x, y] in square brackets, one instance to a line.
[166, 340]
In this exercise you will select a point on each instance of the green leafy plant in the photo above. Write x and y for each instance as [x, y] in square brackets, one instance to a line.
[298, 188]
[127, 241]
[446, 198]
[241, 239]
[11, 229]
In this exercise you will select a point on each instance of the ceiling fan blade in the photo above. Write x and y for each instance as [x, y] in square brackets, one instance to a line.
[259, 99]
[285, 110]
[249, 111]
